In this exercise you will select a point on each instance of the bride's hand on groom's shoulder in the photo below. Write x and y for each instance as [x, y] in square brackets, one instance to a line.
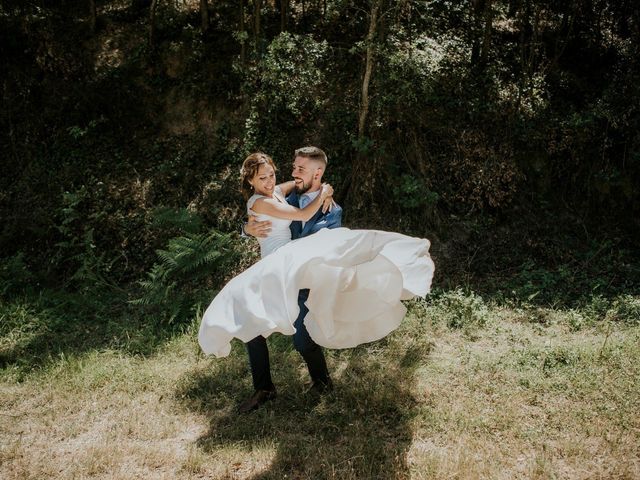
[327, 191]
[327, 197]
[328, 204]
[257, 228]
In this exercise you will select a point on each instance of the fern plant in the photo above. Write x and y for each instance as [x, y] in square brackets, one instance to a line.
[188, 270]
[182, 219]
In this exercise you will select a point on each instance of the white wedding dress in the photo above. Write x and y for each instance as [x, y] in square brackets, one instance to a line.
[357, 280]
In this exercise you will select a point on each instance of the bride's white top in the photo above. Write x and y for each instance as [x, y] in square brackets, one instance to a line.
[280, 233]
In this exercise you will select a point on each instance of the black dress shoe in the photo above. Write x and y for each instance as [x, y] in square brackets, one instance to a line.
[254, 401]
[320, 388]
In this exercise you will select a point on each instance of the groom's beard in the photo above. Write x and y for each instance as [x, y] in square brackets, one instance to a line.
[302, 187]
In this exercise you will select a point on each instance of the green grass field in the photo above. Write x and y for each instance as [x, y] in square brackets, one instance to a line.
[464, 389]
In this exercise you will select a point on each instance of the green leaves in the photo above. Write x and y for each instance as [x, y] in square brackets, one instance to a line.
[179, 218]
[412, 192]
[182, 279]
[287, 91]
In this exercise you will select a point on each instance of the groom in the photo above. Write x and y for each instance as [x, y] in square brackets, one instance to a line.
[309, 165]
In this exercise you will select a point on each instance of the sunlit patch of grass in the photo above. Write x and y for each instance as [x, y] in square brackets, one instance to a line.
[504, 391]
[527, 390]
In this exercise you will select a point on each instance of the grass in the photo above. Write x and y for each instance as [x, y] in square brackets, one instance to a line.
[464, 389]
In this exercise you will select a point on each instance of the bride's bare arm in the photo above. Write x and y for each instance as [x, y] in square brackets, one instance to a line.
[273, 207]
[287, 187]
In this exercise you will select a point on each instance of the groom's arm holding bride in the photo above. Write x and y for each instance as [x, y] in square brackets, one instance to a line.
[261, 229]
[331, 218]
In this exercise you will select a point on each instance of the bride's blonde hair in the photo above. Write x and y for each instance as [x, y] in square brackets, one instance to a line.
[250, 168]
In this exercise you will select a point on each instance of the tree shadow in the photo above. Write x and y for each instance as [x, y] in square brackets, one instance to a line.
[38, 329]
[361, 430]
[515, 258]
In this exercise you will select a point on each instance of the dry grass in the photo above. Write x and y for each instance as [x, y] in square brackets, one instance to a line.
[505, 397]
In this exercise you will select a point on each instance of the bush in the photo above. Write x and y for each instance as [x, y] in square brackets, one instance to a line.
[285, 89]
[576, 320]
[463, 310]
[188, 270]
[21, 326]
[626, 309]
[15, 275]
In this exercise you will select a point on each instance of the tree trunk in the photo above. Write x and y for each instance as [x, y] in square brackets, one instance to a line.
[525, 45]
[526, 32]
[152, 22]
[477, 7]
[369, 62]
[204, 15]
[257, 9]
[243, 43]
[535, 40]
[409, 28]
[363, 172]
[93, 15]
[486, 37]
[284, 14]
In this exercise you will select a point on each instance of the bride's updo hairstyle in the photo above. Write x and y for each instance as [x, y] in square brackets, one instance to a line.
[250, 168]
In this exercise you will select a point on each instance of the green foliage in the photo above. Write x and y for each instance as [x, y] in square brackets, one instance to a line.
[531, 261]
[460, 310]
[549, 358]
[77, 132]
[538, 280]
[188, 270]
[576, 320]
[166, 217]
[595, 310]
[15, 275]
[411, 192]
[285, 90]
[548, 123]
[448, 127]
[87, 266]
[363, 145]
[626, 309]
[20, 327]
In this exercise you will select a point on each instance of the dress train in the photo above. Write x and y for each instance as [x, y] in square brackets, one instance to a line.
[357, 279]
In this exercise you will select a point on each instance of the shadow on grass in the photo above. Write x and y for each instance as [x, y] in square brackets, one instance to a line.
[540, 263]
[361, 430]
[37, 330]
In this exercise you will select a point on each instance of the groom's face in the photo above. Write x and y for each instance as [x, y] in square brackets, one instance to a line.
[306, 173]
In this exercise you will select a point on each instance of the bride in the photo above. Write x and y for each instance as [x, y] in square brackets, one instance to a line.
[266, 201]
[357, 278]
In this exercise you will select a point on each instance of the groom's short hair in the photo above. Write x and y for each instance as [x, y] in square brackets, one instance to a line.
[314, 153]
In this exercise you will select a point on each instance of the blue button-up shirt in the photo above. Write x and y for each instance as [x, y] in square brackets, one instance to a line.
[306, 199]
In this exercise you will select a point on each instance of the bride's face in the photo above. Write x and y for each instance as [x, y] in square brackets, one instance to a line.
[264, 180]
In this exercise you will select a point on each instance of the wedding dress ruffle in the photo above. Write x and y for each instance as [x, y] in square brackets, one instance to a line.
[357, 280]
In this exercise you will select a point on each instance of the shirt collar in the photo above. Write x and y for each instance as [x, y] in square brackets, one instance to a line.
[307, 198]
[312, 195]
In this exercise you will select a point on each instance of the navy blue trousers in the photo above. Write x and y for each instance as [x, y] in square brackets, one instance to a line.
[311, 352]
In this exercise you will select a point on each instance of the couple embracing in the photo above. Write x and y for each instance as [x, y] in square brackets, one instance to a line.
[326, 285]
